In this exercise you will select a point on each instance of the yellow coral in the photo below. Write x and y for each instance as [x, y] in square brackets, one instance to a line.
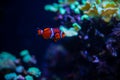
[107, 14]
[116, 0]
[108, 4]
[106, 9]
[85, 7]
[109, 11]
[70, 1]
[107, 18]
[92, 12]
[98, 1]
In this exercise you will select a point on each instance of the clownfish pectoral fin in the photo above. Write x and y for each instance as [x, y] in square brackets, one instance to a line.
[39, 32]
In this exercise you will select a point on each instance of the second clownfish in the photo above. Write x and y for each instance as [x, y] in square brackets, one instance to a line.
[51, 33]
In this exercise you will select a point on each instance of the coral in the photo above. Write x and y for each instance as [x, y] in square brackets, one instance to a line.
[34, 71]
[14, 68]
[92, 34]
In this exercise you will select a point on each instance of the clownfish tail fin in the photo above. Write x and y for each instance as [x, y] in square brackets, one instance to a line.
[39, 32]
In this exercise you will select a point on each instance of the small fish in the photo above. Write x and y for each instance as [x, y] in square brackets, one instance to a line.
[51, 33]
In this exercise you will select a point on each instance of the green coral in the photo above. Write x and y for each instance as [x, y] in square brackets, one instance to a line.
[28, 77]
[10, 76]
[6, 55]
[24, 52]
[34, 71]
[7, 60]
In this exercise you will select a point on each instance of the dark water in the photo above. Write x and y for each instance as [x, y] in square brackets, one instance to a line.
[19, 20]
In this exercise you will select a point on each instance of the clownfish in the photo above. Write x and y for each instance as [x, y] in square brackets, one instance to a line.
[51, 33]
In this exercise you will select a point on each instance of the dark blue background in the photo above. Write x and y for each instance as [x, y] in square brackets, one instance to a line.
[19, 20]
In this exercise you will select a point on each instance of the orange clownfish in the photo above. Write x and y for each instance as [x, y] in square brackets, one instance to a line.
[51, 33]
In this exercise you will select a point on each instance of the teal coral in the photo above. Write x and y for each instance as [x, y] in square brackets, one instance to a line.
[14, 70]
[28, 77]
[10, 76]
[34, 71]
[19, 69]
[6, 55]
[24, 52]
[26, 56]
[7, 60]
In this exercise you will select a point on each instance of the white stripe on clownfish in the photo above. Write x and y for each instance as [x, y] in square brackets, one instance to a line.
[61, 34]
[52, 33]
